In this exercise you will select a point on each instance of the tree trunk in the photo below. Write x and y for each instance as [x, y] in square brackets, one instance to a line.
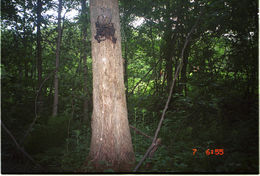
[183, 88]
[39, 55]
[25, 43]
[111, 138]
[84, 53]
[169, 70]
[56, 78]
[168, 48]
[169, 58]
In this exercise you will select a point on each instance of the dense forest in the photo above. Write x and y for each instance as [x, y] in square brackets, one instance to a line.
[188, 95]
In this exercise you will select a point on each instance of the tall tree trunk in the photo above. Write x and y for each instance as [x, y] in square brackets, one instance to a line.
[84, 53]
[39, 55]
[25, 42]
[169, 70]
[111, 138]
[183, 80]
[168, 47]
[169, 61]
[56, 78]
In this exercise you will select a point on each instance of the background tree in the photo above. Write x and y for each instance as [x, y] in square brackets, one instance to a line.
[39, 51]
[56, 77]
[84, 55]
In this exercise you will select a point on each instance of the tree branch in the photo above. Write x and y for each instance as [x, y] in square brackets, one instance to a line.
[168, 100]
[18, 146]
[35, 105]
[140, 132]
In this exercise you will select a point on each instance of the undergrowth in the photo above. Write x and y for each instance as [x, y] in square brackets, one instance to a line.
[62, 144]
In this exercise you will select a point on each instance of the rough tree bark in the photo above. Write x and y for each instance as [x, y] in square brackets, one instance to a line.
[56, 78]
[111, 138]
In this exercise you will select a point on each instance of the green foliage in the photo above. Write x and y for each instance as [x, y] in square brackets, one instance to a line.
[214, 102]
[77, 149]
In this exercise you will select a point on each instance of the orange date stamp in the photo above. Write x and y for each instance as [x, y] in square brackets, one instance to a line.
[217, 152]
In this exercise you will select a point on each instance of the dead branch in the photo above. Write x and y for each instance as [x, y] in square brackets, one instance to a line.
[140, 132]
[152, 146]
[157, 143]
[18, 146]
[35, 105]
